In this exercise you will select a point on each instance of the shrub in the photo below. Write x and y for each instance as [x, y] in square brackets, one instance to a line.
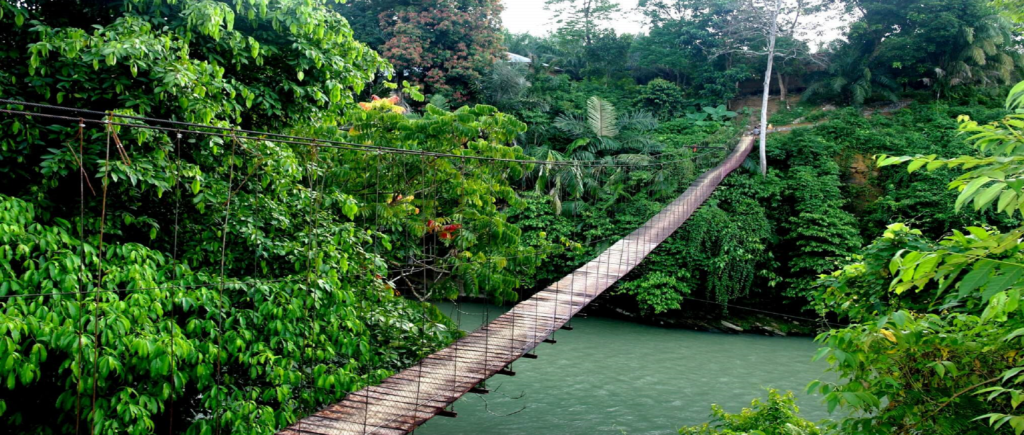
[662, 98]
[777, 416]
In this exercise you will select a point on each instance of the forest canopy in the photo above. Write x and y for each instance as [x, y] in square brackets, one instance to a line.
[237, 212]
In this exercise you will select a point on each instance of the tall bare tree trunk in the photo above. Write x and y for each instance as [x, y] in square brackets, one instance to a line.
[767, 85]
[783, 90]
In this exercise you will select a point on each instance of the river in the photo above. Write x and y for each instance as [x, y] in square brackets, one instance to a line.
[615, 377]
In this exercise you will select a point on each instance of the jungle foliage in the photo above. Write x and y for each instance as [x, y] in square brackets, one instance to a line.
[937, 322]
[165, 280]
[943, 46]
[219, 283]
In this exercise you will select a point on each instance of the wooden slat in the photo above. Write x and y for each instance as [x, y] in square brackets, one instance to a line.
[408, 399]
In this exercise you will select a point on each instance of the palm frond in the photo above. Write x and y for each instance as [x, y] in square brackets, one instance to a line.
[860, 92]
[752, 164]
[638, 120]
[605, 145]
[838, 83]
[812, 90]
[584, 155]
[890, 95]
[639, 143]
[572, 124]
[887, 82]
[989, 47]
[601, 117]
[634, 159]
[556, 202]
[967, 33]
[975, 53]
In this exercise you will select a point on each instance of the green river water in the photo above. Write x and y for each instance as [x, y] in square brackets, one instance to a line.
[615, 377]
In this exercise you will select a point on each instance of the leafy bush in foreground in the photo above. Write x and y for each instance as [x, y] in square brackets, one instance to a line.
[777, 416]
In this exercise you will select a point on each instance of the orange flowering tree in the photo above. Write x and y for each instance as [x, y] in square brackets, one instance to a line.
[446, 45]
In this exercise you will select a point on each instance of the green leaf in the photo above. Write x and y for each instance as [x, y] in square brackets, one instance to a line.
[988, 195]
[970, 190]
[899, 318]
[812, 387]
[350, 210]
[1007, 201]
[977, 277]
[1012, 372]
[889, 160]
[940, 369]
[1017, 423]
[1013, 99]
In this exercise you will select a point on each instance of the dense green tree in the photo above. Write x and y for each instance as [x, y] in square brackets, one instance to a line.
[505, 85]
[849, 78]
[135, 59]
[818, 230]
[445, 217]
[583, 19]
[662, 98]
[224, 283]
[364, 16]
[445, 45]
[681, 45]
[585, 41]
[922, 44]
[601, 134]
[936, 339]
[718, 255]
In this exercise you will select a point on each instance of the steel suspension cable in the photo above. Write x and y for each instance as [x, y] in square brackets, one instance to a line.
[100, 252]
[174, 273]
[327, 143]
[219, 395]
[81, 272]
[376, 235]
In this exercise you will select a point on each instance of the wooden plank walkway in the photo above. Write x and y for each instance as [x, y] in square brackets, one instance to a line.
[408, 399]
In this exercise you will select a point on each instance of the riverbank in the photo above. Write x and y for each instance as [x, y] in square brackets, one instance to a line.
[709, 317]
[701, 316]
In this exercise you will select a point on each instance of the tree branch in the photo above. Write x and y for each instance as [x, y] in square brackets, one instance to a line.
[951, 399]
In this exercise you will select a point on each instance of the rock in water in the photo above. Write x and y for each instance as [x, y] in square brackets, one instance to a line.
[729, 327]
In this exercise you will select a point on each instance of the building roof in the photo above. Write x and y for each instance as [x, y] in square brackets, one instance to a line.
[515, 58]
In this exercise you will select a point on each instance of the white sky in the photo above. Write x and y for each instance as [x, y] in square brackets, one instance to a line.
[529, 16]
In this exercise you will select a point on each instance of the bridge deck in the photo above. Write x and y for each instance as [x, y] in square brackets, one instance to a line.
[408, 399]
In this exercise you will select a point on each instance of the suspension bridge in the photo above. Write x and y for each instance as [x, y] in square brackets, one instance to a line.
[408, 399]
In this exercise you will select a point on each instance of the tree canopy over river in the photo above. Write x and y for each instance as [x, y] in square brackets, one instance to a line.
[182, 252]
